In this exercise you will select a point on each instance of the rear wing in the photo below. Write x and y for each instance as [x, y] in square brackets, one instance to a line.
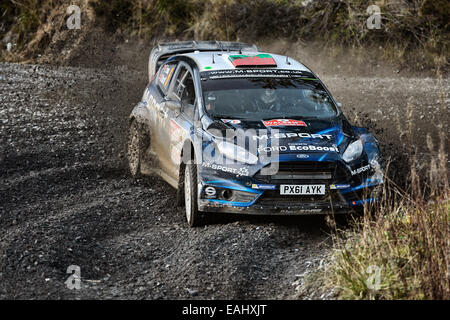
[163, 51]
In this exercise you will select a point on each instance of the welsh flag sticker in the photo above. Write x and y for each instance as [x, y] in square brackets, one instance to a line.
[284, 123]
[242, 60]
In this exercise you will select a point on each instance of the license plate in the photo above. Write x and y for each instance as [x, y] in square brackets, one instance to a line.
[302, 189]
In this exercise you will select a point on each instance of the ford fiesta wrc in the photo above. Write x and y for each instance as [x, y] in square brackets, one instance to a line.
[238, 130]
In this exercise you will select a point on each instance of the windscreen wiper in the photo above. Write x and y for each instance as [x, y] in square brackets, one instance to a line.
[229, 117]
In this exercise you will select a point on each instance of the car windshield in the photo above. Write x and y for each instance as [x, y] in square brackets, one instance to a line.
[267, 98]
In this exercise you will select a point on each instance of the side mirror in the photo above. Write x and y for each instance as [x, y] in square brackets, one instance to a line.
[173, 103]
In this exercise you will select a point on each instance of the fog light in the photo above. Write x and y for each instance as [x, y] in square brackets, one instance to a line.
[227, 194]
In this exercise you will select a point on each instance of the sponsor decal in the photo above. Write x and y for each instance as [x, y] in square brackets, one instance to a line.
[176, 133]
[210, 192]
[301, 211]
[147, 94]
[176, 141]
[313, 148]
[360, 170]
[242, 60]
[254, 72]
[175, 154]
[166, 74]
[293, 135]
[153, 101]
[274, 148]
[284, 122]
[298, 148]
[264, 186]
[243, 171]
[235, 121]
[339, 186]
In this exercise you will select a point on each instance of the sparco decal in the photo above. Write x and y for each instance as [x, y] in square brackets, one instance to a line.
[293, 135]
[284, 122]
[243, 171]
[210, 192]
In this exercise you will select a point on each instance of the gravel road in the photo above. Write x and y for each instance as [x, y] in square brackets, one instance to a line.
[66, 197]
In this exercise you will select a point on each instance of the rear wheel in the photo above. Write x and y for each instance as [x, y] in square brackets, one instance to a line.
[136, 148]
[193, 216]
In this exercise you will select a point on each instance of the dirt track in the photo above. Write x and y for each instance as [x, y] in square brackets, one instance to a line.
[66, 198]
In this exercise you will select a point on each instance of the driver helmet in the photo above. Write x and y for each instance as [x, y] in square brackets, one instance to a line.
[211, 101]
[268, 96]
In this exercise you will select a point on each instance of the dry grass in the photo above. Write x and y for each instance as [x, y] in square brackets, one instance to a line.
[407, 247]
[400, 248]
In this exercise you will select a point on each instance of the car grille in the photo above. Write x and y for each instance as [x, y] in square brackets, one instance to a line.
[274, 195]
[294, 172]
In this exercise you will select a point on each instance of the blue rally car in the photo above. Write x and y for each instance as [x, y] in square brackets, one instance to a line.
[237, 130]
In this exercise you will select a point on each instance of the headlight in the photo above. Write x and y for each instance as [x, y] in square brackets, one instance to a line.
[353, 151]
[235, 152]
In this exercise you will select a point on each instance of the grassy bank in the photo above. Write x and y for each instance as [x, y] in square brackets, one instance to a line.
[400, 248]
[400, 254]
[414, 34]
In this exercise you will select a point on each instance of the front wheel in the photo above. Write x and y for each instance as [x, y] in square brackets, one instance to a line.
[193, 216]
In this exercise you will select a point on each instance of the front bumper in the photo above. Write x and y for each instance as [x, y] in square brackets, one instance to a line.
[256, 209]
[247, 200]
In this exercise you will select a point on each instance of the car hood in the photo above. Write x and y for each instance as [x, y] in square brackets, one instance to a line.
[294, 135]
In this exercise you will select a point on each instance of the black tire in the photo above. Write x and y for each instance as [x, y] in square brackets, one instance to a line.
[179, 201]
[137, 144]
[193, 216]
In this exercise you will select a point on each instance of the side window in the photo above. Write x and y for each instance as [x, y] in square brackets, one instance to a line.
[184, 89]
[165, 75]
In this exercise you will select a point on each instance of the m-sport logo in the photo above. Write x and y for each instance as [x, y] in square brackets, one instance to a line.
[283, 135]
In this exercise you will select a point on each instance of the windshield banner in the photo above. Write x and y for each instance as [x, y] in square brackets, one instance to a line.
[257, 73]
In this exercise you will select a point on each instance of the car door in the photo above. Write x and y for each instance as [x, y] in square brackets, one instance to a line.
[179, 122]
[157, 98]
